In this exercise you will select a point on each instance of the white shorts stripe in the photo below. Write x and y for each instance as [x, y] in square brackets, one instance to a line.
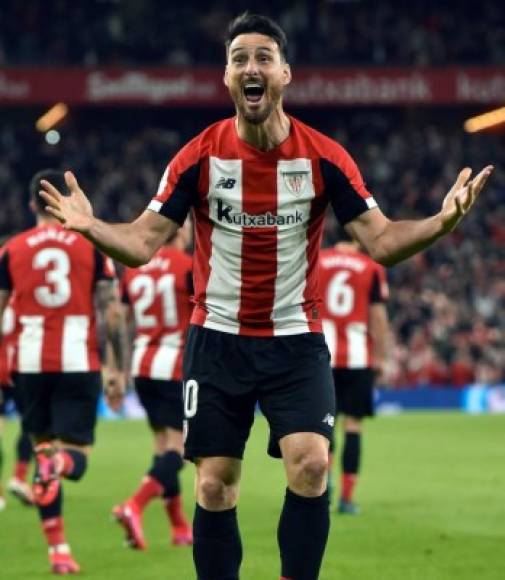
[74, 353]
[30, 344]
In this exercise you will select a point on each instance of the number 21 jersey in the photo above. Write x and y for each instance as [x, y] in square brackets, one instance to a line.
[51, 274]
[159, 294]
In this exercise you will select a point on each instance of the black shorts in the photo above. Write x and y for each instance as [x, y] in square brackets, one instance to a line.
[61, 405]
[354, 392]
[162, 401]
[227, 375]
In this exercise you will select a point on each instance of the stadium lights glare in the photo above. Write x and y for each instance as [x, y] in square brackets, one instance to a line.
[485, 121]
[51, 117]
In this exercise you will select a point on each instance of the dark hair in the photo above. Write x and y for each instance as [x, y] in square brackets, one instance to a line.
[249, 23]
[55, 177]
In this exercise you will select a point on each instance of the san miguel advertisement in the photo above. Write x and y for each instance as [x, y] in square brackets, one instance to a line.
[204, 87]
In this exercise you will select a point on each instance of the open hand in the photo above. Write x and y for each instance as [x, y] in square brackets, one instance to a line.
[74, 211]
[462, 196]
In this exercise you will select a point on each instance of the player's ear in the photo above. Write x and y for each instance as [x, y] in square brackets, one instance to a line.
[32, 206]
[286, 74]
[225, 76]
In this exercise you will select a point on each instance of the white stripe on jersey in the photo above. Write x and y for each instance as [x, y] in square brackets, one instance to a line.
[295, 192]
[139, 348]
[74, 348]
[224, 284]
[155, 205]
[30, 344]
[163, 363]
[370, 202]
[356, 345]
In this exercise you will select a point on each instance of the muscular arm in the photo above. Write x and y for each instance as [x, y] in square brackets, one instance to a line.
[132, 244]
[389, 242]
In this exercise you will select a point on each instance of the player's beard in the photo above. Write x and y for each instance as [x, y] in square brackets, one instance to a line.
[272, 97]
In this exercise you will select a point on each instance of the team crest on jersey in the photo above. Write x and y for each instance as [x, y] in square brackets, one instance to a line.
[295, 181]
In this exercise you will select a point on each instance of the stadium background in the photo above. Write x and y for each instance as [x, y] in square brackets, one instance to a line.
[392, 81]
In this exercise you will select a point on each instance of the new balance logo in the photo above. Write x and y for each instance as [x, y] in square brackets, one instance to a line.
[329, 420]
[262, 220]
[226, 183]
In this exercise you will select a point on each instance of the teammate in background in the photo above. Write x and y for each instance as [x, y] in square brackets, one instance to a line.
[258, 185]
[17, 485]
[55, 277]
[355, 323]
[158, 298]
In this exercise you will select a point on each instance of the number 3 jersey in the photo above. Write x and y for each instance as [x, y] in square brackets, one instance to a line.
[350, 282]
[159, 294]
[51, 274]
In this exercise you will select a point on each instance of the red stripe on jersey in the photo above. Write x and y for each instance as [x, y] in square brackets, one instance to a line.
[202, 247]
[259, 249]
[146, 362]
[312, 307]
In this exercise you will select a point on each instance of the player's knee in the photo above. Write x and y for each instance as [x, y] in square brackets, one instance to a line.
[308, 476]
[215, 494]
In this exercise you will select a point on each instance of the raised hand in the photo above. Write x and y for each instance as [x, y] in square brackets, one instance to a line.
[462, 196]
[74, 211]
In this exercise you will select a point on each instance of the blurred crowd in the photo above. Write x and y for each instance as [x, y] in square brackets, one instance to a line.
[447, 305]
[321, 32]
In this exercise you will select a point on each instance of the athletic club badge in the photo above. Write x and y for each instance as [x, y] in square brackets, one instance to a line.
[295, 181]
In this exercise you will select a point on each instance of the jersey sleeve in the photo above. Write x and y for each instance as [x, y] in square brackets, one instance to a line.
[344, 185]
[5, 277]
[178, 189]
[104, 267]
[379, 291]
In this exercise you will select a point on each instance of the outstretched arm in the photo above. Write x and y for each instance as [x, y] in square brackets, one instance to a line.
[389, 242]
[132, 244]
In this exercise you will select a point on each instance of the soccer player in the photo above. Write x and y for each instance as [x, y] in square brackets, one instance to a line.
[258, 185]
[17, 485]
[158, 298]
[55, 276]
[355, 323]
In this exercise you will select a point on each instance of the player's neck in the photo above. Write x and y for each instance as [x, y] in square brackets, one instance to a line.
[267, 135]
[43, 220]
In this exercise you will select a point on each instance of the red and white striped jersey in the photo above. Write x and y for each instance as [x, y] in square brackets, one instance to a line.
[350, 282]
[51, 274]
[7, 345]
[160, 296]
[258, 219]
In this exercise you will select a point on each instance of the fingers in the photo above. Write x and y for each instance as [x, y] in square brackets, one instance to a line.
[71, 181]
[475, 186]
[463, 177]
[50, 191]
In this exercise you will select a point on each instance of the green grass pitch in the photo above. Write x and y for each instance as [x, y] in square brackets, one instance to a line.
[432, 497]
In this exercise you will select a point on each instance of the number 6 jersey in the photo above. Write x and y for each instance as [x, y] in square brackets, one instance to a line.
[350, 282]
[159, 295]
[51, 274]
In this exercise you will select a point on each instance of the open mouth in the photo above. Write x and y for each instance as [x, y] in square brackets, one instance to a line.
[253, 92]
